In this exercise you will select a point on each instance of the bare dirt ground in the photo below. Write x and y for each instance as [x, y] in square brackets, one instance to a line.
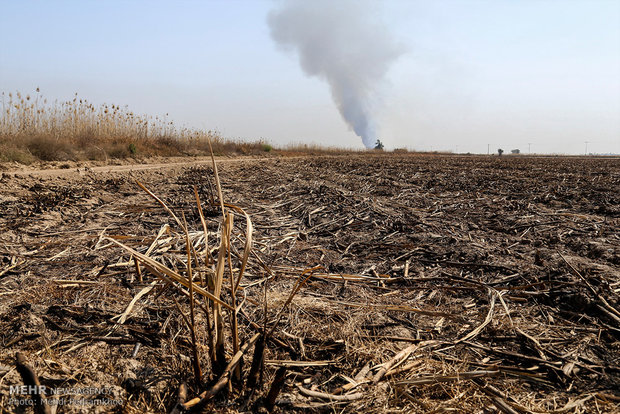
[69, 168]
[447, 284]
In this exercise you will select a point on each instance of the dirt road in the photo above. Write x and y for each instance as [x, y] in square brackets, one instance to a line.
[66, 169]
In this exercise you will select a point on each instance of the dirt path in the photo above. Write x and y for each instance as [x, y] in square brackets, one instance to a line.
[176, 162]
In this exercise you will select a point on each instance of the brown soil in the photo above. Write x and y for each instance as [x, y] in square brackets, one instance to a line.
[505, 267]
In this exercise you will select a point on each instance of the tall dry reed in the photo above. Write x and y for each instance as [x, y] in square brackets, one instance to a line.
[33, 127]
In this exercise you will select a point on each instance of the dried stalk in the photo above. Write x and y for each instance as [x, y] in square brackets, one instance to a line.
[330, 397]
[257, 363]
[210, 282]
[181, 398]
[168, 274]
[161, 203]
[192, 316]
[30, 378]
[401, 356]
[276, 387]
[487, 320]
[219, 277]
[233, 293]
[432, 379]
[224, 378]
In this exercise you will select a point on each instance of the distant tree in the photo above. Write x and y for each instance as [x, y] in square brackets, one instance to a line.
[379, 145]
[500, 152]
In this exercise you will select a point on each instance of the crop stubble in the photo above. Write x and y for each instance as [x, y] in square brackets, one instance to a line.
[446, 282]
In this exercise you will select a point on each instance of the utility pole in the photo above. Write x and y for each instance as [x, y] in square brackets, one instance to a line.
[587, 142]
[488, 149]
[529, 147]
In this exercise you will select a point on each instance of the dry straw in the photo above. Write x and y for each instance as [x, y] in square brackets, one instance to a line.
[33, 128]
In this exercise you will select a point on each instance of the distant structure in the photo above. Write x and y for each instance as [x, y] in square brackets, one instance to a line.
[515, 151]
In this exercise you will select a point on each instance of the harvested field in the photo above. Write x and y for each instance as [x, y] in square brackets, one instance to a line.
[438, 284]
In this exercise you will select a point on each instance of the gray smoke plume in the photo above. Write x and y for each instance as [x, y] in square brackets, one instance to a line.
[337, 41]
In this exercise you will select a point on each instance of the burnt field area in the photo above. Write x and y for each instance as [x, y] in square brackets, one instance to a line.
[362, 283]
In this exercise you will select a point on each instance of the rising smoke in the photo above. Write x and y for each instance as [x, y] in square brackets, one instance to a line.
[338, 41]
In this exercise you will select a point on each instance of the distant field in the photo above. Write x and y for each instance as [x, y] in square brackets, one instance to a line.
[444, 283]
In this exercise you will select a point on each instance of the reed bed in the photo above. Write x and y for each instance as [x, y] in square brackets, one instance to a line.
[34, 128]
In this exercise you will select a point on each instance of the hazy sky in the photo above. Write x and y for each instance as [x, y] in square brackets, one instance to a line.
[471, 73]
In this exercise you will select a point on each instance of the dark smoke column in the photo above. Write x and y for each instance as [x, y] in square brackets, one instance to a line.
[338, 41]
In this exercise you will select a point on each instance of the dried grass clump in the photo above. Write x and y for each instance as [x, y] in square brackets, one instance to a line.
[49, 149]
[207, 293]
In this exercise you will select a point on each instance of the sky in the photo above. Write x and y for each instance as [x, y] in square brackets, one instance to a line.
[470, 76]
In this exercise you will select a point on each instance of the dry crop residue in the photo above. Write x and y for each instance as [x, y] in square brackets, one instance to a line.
[446, 282]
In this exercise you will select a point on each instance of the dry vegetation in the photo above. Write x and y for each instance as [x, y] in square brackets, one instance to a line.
[400, 283]
[33, 129]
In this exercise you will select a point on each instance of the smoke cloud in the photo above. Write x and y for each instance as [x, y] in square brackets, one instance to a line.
[339, 42]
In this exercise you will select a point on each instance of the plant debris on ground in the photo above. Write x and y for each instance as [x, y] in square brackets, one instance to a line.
[373, 283]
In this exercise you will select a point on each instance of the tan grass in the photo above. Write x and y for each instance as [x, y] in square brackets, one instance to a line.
[33, 128]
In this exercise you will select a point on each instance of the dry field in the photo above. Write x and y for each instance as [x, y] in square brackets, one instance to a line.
[434, 284]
